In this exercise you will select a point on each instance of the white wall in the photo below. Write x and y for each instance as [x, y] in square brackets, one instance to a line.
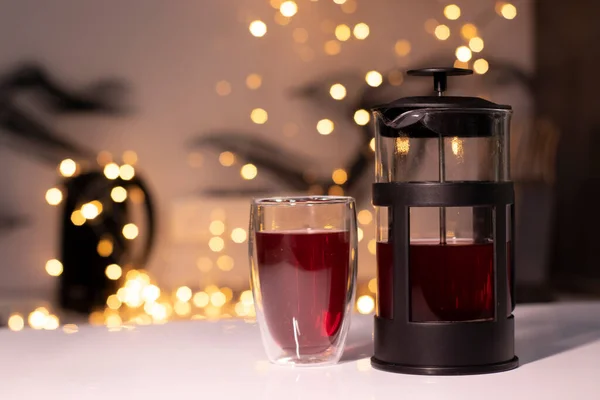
[172, 53]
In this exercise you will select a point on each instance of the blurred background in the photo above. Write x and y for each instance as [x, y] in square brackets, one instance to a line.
[133, 135]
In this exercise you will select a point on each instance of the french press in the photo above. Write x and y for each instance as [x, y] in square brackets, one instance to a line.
[445, 234]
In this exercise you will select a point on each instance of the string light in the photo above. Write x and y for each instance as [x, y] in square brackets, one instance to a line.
[111, 171]
[339, 176]
[54, 267]
[374, 78]
[365, 304]
[360, 234]
[182, 308]
[372, 144]
[325, 127]
[275, 3]
[343, 32]
[259, 116]
[90, 211]
[217, 227]
[130, 157]
[201, 299]
[332, 47]
[364, 217]
[361, 31]
[373, 285]
[481, 66]
[126, 172]
[476, 44]
[16, 323]
[452, 12]
[460, 64]
[113, 272]
[226, 159]
[402, 47]
[442, 32]
[113, 302]
[225, 263]
[372, 246]
[105, 247]
[223, 88]
[468, 31]
[339, 1]
[337, 91]
[362, 117]
[184, 294]
[253, 81]
[430, 25]
[130, 231]
[150, 293]
[77, 218]
[463, 53]
[258, 28]
[67, 168]
[118, 194]
[37, 318]
[216, 244]
[218, 299]
[288, 8]
[506, 10]
[54, 196]
[248, 171]
[239, 235]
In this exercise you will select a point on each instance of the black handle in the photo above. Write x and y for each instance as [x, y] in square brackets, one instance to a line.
[440, 75]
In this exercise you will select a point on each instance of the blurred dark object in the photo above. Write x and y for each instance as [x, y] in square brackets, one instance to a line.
[8, 223]
[567, 95]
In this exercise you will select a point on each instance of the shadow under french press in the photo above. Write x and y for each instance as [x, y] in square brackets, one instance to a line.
[543, 333]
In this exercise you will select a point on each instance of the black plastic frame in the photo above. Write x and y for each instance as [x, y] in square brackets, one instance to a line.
[445, 348]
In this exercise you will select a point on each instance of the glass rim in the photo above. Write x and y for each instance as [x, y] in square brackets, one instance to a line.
[302, 200]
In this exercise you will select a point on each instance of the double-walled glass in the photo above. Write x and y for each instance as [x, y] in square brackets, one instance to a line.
[303, 273]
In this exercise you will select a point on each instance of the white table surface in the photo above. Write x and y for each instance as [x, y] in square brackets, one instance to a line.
[559, 348]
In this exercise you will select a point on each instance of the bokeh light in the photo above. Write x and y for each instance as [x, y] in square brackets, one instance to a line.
[339, 176]
[452, 12]
[16, 322]
[216, 244]
[325, 126]
[259, 116]
[217, 227]
[225, 263]
[239, 235]
[54, 196]
[362, 117]
[54, 267]
[67, 167]
[373, 78]
[130, 231]
[288, 8]
[118, 194]
[361, 31]
[365, 304]
[402, 47]
[476, 44]
[337, 91]
[184, 294]
[223, 88]
[463, 53]
[468, 31]
[249, 171]
[442, 32]
[343, 32]
[111, 171]
[365, 217]
[113, 272]
[481, 66]
[258, 28]
[332, 47]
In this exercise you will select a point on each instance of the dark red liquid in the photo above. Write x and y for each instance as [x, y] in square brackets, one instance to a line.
[453, 282]
[303, 278]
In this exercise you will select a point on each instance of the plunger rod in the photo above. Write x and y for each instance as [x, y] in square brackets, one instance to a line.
[442, 158]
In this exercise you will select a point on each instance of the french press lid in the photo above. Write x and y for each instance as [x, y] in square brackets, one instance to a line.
[440, 115]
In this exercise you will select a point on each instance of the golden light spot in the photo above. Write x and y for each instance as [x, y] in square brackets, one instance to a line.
[130, 157]
[246, 298]
[281, 19]
[130, 231]
[468, 31]
[113, 272]
[402, 145]
[343, 32]
[325, 126]
[181, 308]
[457, 146]
[204, 264]
[372, 144]
[90, 211]
[37, 319]
[481, 66]
[463, 53]
[217, 227]
[402, 47]
[103, 158]
[52, 323]
[288, 8]
[452, 11]
[372, 246]
[113, 302]
[442, 32]
[361, 31]
[227, 158]
[132, 275]
[339, 1]
[184, 293]
[476, 44]
[118, 194]
[77, 218]
[335, 190]
[54, 196]
[225, 263]
[373, 285]
[248, 171]
[223, 88]
[337, 91]
[360, 234]
[70, 328]
[67, 167]
[259, 116]
[218, 299]
[362, 117]
[275, 3]
[126, 172]
[150, 293]
[339, 176]
[373, 78]
[201, 299]
[508, 11]
[365, 304]
[430, 25]
[216, 244]
[332, 47]
[365, 217]
[16, 323]
[111, 171]
[460, 64]
[258, 28]
[54, 267]
[239, 235]
[227, 292]
[113, 321]
[253, 81]
[105, 247]
[350, 6]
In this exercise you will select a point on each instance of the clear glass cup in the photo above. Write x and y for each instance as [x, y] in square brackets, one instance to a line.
[303, 253]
